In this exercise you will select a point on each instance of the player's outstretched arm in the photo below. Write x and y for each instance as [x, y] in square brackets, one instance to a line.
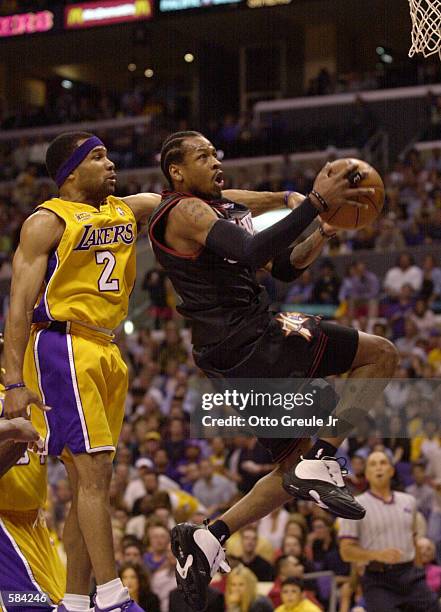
[142, 205]
[40, 234]
[192, 223]
[260, 202]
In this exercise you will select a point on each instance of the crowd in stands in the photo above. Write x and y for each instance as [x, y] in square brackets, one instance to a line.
[238, 135]
[162, 476]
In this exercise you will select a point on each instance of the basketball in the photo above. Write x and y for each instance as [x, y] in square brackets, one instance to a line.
[351, 217]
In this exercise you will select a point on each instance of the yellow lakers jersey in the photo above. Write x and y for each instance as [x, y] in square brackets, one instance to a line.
[24, 487]
[91, 273]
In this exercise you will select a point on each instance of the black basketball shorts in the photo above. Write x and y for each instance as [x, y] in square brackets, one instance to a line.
[294, 345]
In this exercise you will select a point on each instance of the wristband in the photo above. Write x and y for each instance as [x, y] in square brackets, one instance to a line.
[18, 385]
[322, 201]
[286, 197]
[324, 234]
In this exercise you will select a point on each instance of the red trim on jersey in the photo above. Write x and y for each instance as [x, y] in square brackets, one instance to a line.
[162, 246]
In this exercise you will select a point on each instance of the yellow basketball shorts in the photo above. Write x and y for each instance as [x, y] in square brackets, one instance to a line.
[83, 378]
[29, 562]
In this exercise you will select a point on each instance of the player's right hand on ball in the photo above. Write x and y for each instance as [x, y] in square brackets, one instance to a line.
[336, 190]
[390, 555]
[18, 402]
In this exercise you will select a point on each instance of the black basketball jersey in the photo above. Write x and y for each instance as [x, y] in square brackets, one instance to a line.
[219, 297]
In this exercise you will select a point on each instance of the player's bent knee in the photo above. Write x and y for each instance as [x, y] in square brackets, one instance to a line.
[388, 353]
[376, 350]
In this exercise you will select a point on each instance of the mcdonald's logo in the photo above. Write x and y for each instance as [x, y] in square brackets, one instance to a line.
[74, 16]
[142, 8]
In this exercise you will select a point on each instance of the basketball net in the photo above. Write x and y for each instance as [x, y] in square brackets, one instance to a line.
[426, 27]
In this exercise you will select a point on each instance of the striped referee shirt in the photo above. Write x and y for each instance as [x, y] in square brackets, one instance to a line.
[387, 524]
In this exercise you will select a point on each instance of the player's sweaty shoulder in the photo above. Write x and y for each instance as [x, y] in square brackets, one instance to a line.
[44, 227]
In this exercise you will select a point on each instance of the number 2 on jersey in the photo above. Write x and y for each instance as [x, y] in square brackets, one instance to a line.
[105, 283]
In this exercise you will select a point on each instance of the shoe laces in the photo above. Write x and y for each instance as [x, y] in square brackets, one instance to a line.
[336, 467]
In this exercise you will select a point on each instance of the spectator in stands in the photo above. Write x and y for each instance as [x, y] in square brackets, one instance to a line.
[294, 599]
[364, 239]
[414, 234]
[132, 552]
[327, 286]
[431, 287]
[360, 290]
[398, 309]
[291, 545]
[434, 356]
[285, 567]
[163, 582]
[172, 347]
[155, 284]
[405, 272]
[158, 544]
[215, 601]
[322, 550]
[434, 226]
[300, 292]
[422, 492]
[254, 462]
[407, 343]
[213, 490]
[434, 525]
[390, 237]
[263, 570]
[357, 479]
[423, 317]
[136, 579]
[272, 527]
[427, 552]
[241, 593]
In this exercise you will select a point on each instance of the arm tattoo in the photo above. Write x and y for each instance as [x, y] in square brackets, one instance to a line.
[196, 211]
[304, 253]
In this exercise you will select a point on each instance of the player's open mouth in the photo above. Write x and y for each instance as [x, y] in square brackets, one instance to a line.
[219, 179]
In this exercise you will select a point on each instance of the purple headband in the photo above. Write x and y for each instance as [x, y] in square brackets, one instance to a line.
[76, 158]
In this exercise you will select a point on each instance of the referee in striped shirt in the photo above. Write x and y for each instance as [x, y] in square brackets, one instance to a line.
[384, 541]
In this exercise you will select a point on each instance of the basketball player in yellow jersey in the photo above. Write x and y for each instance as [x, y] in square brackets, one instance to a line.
[76, 261]
[30, 566]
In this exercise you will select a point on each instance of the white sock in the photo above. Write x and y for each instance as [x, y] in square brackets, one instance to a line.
[76, 603]
[111, 594]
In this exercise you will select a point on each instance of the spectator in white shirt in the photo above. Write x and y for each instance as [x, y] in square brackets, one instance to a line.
[405, 272]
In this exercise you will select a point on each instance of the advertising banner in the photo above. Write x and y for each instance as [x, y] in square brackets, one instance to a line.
[107, 12]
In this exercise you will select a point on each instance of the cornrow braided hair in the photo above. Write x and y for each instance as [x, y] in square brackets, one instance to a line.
[172, 151]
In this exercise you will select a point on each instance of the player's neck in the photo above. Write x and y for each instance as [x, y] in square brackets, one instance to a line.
[74, 195]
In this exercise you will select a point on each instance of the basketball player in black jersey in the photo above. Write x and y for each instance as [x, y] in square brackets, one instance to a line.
[208, 248]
